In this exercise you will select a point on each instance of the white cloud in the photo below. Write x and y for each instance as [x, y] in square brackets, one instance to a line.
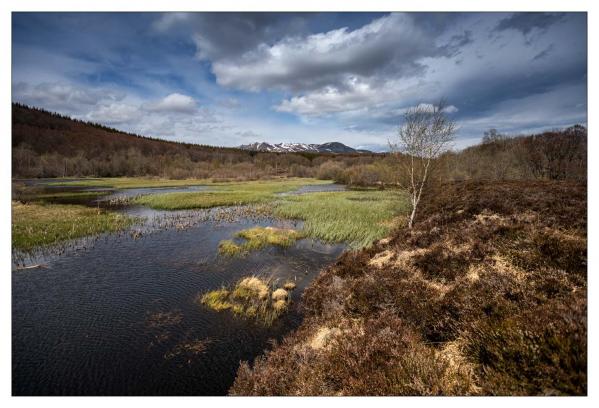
[114, 114]
[62, 95]
[175, 103]
[168, 20]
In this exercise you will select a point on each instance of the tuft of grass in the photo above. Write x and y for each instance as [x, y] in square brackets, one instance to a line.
[229, 248]
[356, 217]
[226, 194]
[289, 285]
[217, 300]
[257, 238]
[251, 297]
[35, 225]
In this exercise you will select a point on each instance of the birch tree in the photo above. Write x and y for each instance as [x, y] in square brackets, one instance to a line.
[425, 133]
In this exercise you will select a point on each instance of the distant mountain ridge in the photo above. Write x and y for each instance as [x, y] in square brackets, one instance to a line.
[329, 147]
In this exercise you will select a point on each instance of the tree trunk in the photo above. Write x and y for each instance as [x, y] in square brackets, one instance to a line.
[411, 220]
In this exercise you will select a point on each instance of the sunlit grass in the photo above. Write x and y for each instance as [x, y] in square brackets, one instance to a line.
[250, 297]
[35, 225]
[257, 238]
[355, 217]
[226, 194]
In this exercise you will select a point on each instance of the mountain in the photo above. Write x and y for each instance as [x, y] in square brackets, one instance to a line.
[330, 147]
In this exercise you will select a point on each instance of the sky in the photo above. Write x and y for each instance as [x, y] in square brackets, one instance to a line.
[228, 79]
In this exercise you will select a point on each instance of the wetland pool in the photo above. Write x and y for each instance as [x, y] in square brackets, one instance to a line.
[121, 317]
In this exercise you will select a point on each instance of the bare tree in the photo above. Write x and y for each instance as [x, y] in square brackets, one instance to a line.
[425, 133]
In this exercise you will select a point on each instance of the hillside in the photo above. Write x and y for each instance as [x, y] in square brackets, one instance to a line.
[46, 144]
[486, 295]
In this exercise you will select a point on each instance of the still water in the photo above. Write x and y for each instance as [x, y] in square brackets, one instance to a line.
[121, 317]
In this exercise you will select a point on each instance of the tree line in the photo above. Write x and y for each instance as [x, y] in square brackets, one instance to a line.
[45, 144]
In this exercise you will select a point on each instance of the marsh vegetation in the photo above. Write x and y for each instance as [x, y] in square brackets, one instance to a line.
[251, 297]
[35, 225]
[257, 238]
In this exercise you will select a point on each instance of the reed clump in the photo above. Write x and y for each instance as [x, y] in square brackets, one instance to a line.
[251, 297]
[258, 238]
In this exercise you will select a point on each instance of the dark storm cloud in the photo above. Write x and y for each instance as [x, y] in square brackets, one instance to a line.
[526, 22]
[457, 42]
[226, 35]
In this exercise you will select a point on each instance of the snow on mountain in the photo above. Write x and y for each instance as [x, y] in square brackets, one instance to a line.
[330, 147]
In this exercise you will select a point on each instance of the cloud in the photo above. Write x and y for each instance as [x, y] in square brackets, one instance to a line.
[392, 44]
[248, 135]
[226, 35]
[115, 114]
[174, 103]
[61, 95]
[526, 22]
[312, 76]
[543, 53]
[168, 20]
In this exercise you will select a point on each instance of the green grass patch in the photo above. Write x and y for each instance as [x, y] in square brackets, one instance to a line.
[250, 297]
[257, 238]
[226, 194]
[35, 225]
[355, 217]
[74, 194]
[131, 182]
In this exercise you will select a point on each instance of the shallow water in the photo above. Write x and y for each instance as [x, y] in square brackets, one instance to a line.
[121, 317]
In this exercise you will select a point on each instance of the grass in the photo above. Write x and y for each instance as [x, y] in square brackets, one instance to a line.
[35, 225]
[257, 238]
[69, 195]
[226, 194]
[251, 297]
[131, 182]
[355, 217]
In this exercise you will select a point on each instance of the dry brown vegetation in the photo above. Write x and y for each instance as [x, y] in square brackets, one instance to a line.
[486, 295]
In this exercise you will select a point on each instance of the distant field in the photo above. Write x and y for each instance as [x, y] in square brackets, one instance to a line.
[227, 194]
[131, 182]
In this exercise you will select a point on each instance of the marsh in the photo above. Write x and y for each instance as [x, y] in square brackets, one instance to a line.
[121, 317]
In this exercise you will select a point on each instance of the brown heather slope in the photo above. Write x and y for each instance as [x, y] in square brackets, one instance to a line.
[487, 295]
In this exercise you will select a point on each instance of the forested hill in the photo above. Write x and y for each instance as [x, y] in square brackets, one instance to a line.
[50, 145]
[47, 144]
